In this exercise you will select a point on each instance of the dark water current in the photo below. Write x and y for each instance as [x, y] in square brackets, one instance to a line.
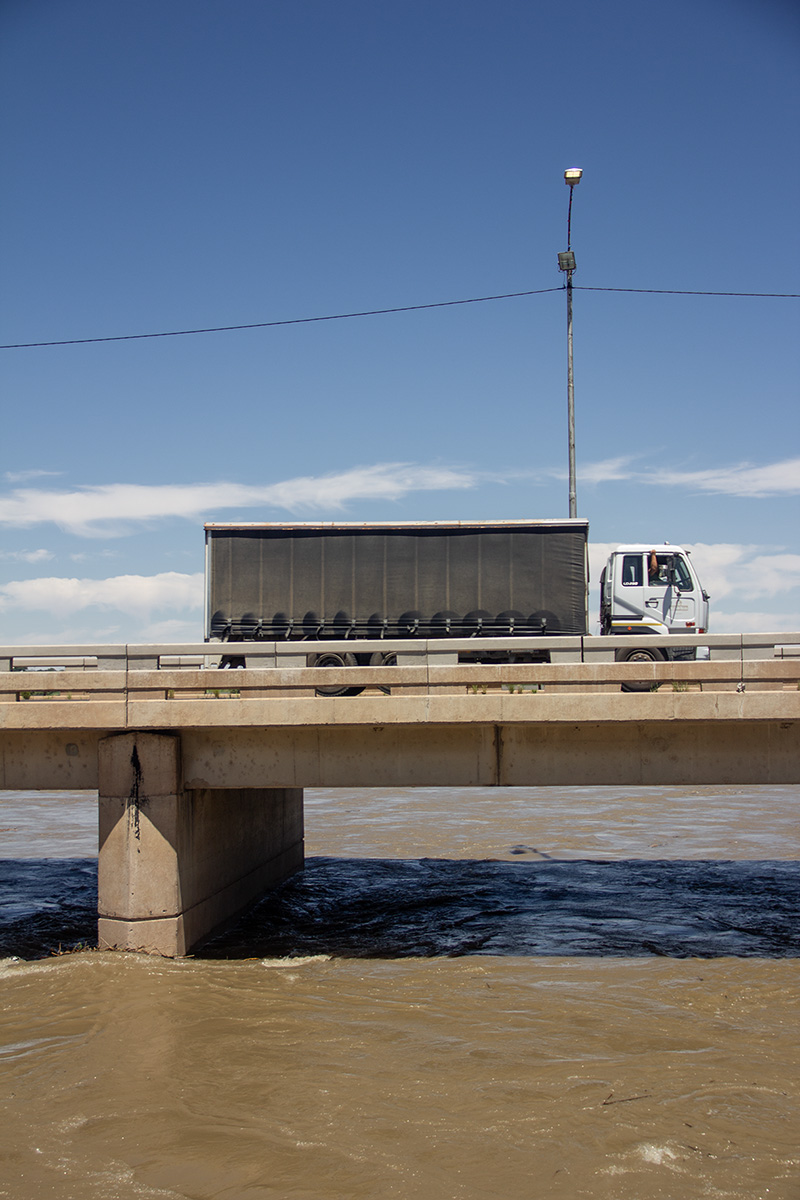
[530, 901]
[498, 993]
[429, 907]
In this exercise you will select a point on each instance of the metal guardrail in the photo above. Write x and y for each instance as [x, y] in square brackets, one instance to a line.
[280, 669]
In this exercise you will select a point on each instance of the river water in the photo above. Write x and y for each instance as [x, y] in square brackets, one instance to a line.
[492, 993]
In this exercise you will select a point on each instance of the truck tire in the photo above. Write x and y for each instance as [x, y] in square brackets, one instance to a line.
[329, 658]
[640, 654]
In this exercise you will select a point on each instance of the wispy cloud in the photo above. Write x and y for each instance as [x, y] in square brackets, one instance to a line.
[24, 476]
[28, 556]
[112, 509]
[742, 479]
[134, 595]
[609, 470]
[108, 510]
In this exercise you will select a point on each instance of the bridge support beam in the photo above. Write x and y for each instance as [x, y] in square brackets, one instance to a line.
[176, 864]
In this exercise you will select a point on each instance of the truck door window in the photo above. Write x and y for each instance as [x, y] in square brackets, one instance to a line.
[669, 568]
[682, 577]
[658, 571]
[632, 570]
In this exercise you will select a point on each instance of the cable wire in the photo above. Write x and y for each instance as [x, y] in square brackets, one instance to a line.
[373, 312]
[676, 292]
[379, 312]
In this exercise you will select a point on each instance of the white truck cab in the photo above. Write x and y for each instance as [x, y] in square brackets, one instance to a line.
[652, 589]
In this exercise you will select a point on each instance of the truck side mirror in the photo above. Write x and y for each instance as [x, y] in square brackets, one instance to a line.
[671, 572]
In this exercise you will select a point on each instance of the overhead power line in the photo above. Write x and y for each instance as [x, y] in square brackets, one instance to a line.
[379, 312]
[675, 292]
[373, 312]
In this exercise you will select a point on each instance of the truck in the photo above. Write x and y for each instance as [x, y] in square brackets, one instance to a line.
[466, 580]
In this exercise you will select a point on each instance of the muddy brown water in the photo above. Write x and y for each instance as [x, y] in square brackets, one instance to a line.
[493, 993]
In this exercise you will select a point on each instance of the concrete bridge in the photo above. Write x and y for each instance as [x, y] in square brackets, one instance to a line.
[200, 771]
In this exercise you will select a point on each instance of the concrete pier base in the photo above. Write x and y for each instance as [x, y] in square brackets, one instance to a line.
[177, 864]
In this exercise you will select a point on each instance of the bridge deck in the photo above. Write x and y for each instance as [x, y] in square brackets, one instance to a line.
[200, 772]
[732, 718]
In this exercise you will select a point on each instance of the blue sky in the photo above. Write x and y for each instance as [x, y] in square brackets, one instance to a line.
[193, 164]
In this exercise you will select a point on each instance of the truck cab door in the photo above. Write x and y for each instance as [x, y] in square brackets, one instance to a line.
[627, 598]
[668, 591]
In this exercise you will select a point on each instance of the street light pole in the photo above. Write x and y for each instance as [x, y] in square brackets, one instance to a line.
[566, 262]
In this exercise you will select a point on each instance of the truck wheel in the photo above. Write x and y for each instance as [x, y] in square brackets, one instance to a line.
[640, 655]
[330, 659]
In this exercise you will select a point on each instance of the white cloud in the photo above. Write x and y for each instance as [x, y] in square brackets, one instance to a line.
[750, 571]
[106, 510]
[755, 622]
[133, 595]
[172, 629]
[598, 556]
[28, 556]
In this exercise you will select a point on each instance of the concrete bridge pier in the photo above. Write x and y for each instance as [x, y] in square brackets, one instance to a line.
[176, 863]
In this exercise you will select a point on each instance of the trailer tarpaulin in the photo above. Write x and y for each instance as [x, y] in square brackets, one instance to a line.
[428, 580]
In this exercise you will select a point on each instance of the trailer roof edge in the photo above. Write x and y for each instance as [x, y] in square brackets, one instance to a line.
[556, 522]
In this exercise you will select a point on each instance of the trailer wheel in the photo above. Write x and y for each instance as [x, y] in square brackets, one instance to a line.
[381, 659]
[330, 658]
[640, 654]
[232, 662]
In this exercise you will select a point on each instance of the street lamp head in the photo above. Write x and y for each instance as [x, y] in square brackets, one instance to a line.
[572, 176]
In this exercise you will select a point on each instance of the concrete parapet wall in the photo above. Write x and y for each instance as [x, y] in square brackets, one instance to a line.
[458, 709]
